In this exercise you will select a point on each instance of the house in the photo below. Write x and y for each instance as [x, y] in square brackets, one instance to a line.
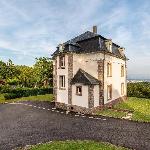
[89, 73]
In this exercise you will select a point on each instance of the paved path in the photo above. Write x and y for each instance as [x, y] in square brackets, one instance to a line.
[34, 122]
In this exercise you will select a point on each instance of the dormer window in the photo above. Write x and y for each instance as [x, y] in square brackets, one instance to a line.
[62, 61]
[110, 47]
[108, 43]
[61, 47]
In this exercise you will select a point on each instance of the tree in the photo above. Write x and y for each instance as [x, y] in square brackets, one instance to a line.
[27, 76]
[44, 71]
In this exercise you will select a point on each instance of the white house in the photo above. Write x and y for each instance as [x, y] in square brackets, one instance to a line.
[89, 73]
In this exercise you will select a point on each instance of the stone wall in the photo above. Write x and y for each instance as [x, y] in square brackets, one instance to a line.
[70, 76]
[90, 96]
[118, 100]
[101, 79]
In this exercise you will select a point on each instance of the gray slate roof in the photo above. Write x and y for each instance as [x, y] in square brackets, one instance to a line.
[83, 77]
[81, 37]
[89, 42]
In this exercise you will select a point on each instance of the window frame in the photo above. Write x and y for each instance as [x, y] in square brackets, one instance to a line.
[122, 70]
[62, 61]
[109, 69]
[77, 91]
[62, 84]
[109, 91]
[122, 88]
[110, 47]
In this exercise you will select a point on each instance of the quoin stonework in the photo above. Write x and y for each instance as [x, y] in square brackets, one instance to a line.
[89, 73]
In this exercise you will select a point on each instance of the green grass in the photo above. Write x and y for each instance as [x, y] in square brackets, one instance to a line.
[111, 113]
[76, 145]
[139, 106]
[46, 97]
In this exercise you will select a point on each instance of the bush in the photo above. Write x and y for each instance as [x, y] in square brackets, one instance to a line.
[5, 89]
[140, 89]
[25, 92]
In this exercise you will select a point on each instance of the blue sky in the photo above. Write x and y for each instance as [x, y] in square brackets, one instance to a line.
[33, 28]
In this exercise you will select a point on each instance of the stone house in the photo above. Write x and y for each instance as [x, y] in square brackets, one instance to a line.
[89, 73]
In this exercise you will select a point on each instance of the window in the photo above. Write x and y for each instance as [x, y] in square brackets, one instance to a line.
[110, 47]
[62, 62]
[61, 82]
[79, 90]
[122, 70]
[109, 69]
[109, 92]
[122, 88]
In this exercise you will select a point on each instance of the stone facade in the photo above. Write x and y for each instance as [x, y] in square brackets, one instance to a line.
[55, 80]
[70, 76]
[85, 110]
[101, 79]
[91, 96]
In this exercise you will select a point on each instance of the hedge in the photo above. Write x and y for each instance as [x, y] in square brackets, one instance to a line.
[25, 92]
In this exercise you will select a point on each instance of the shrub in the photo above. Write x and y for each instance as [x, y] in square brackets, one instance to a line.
[25, 92]
[140, 89]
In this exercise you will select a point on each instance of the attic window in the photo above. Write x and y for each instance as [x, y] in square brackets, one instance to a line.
[79, 90]
[110, 47]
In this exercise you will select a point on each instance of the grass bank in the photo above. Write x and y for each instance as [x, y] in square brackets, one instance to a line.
[139, 106]
[46, 97]
[76, 145]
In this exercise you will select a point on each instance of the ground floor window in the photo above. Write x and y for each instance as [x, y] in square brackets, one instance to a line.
[61, 82]
[109, 92]
[122, 88]
[79, 90]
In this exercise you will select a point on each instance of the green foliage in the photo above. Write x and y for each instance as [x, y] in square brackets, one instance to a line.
[76, 145]
[8, 70]
[140, 89]
[24, 76]
[44, 71]
[25, 92]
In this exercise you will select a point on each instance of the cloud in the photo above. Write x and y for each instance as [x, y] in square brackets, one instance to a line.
[30, 29]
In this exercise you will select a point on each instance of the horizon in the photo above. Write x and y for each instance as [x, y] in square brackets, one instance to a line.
[30, 29]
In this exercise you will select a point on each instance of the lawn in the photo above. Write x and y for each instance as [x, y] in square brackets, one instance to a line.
[76, 145]
[46, 97]
[139, 106]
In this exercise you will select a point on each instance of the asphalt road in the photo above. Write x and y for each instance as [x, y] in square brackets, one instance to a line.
[35, 122]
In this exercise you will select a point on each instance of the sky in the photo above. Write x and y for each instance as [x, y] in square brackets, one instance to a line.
[33, 28]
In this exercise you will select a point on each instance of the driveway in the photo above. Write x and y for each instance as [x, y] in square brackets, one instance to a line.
[28, 123]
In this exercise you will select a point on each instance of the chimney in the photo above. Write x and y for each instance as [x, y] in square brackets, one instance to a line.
[95, 29]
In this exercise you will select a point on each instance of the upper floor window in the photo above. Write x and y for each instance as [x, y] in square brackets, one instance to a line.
[109, 69]
[62, 61]
[109, 92]
[122, 88]
[122, 70]
[62, 82]
[79, 90]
